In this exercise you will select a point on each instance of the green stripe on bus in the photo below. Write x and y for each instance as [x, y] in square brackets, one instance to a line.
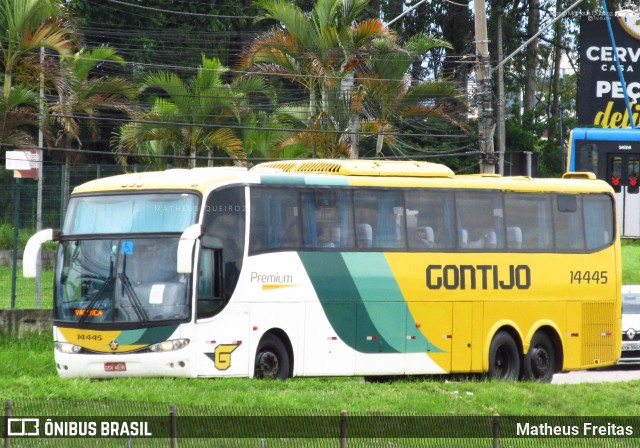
[147, 335]
[380, 296]
[342, 303]
[383, 299]
[348, 294]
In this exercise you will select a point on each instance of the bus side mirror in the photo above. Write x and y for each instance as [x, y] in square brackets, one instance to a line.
[32, 249]
[185, 248]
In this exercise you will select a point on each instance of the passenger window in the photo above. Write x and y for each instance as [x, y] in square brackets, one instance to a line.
[429, 220]
[598, 222]
[276, 220]
[528, 220]
[568, 223]
[383, 212]
[327, 219]
[480, 217]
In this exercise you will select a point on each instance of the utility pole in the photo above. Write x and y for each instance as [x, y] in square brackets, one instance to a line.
[500, 103]
[40, 180]
[483, 79]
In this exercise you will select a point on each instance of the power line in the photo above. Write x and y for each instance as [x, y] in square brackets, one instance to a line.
[148, 8]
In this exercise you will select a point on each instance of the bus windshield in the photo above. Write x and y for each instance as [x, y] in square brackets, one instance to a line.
[129, 280]
[130, 213]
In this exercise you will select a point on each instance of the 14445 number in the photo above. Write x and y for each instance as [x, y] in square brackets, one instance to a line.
[598, 277]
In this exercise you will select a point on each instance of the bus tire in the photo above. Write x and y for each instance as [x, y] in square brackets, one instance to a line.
[540, 360]
[504, 357]
[272, 359]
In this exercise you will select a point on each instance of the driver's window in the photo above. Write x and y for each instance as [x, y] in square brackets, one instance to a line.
[209, 294]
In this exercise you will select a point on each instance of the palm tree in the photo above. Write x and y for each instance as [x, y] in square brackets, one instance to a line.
[27, 26]
[317, 51]
[81, 97]
[391, 96]
[192, 117]
[18, 112]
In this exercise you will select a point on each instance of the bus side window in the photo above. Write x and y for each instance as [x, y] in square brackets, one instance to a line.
[430, 211]
[482, 217]
[529, 221]
[384, 212]
[568, 223]
[209, 294]
[598, 229]
[587, 157]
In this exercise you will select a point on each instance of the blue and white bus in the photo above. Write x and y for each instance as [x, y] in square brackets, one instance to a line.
[614, 156]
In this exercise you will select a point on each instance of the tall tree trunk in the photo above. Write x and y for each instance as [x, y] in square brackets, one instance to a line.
[529, 100]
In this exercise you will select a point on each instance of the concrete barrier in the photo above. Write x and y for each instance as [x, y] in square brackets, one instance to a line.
[19, 322]
[48, 258]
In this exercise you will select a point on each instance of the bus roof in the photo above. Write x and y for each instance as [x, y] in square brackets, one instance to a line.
[337, 172]
[621, 134]
[180, 179]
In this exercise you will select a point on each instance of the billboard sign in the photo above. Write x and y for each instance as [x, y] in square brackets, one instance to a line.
[601, 100]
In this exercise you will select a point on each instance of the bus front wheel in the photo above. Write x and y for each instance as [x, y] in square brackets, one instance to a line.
[272, 359]
[504, 357]
[540, 361]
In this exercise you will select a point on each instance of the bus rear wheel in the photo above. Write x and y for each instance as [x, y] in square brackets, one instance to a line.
[272, 359]
[504, 357]
[540, 360]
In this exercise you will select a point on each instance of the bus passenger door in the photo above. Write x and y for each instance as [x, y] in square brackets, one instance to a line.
[624, 173]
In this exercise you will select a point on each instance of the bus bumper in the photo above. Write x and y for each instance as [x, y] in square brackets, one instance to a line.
[170, 364]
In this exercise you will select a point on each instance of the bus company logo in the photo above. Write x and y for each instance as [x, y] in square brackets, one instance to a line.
[481, 276]
[629, 18]
[113, 345]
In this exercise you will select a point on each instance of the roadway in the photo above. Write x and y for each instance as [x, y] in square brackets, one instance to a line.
[612, 374]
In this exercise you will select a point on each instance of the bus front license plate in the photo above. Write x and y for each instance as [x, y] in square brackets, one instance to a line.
[115, 367]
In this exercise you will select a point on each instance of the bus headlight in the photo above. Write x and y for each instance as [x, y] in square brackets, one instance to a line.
[167, 346]
[65, 347]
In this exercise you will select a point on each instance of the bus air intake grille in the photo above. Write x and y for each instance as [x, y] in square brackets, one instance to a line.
[358, 167]
[598, 331]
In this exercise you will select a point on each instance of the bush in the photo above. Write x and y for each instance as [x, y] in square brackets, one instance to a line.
[6, 237]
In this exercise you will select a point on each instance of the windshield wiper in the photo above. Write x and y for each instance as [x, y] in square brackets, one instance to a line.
[97, 295]
[131, 294]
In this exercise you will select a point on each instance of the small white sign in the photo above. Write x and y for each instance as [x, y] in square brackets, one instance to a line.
[156, 295]
[18, 160]
[25, 164]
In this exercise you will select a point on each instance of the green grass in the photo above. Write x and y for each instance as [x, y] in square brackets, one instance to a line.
[28, 373]
[630, 262]
[25, 289]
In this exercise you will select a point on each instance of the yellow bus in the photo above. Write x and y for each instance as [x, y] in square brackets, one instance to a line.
[335, 267]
